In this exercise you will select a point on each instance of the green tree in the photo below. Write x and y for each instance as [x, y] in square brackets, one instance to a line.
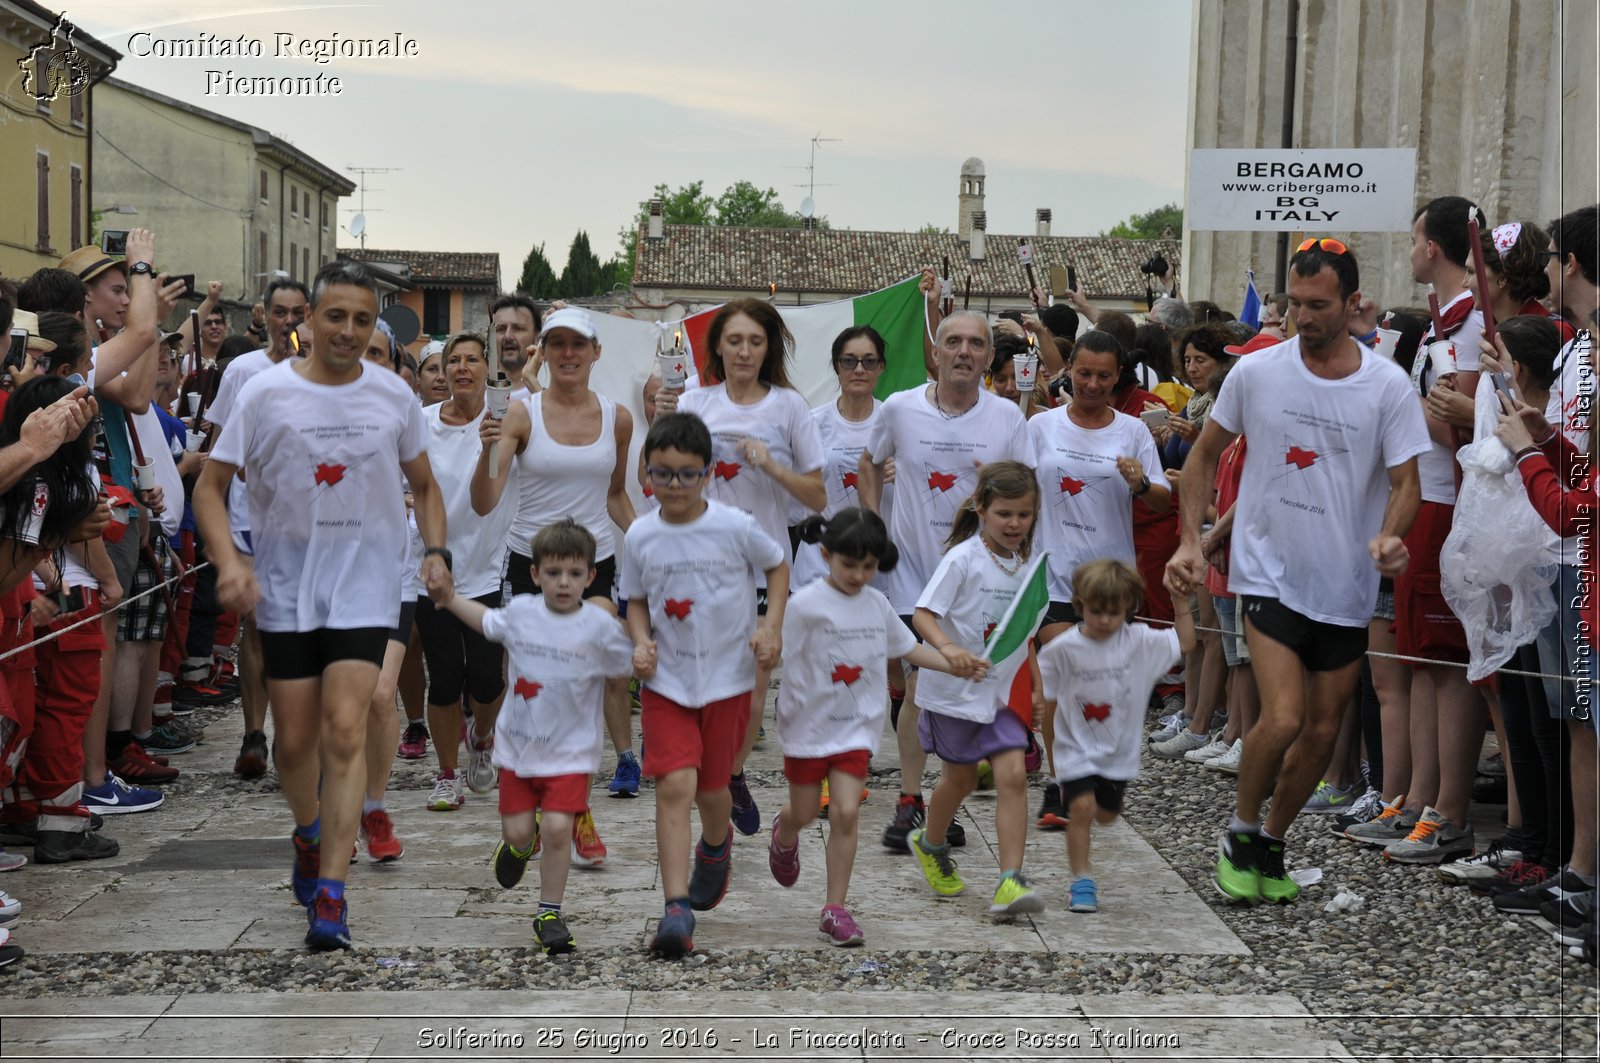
[742, 203]
[582, 276]
[931, 229]
[689, 205]
[538, 277]
[1149, 226]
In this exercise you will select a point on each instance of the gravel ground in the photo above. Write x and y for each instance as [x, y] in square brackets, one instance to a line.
[1422, 969]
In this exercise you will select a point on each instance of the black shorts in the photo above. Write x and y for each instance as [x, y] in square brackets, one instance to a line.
[1107, 792]
[1321, 647]
[306, 654]
[408, 617]
[1060, 613]
[517, 578]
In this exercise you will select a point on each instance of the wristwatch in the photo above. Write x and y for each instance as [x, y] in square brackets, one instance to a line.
[444, 552]
[1144, 485]
[141, 269]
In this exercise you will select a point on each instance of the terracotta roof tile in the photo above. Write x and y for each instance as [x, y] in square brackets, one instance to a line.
[434, 268]
[852, 261]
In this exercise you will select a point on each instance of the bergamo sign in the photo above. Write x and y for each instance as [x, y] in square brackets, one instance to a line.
[1294, 190]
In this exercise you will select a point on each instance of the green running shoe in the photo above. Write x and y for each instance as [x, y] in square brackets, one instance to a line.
[1015, 897]
[1237, 876]
[1276, 885]
[938, 867]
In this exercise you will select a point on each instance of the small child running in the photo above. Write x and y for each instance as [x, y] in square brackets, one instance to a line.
[963, 723]
[550, 730]
[838, 636]
[1099, 676]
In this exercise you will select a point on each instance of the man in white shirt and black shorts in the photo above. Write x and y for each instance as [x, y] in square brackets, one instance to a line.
[323, 443]
[1328, 494]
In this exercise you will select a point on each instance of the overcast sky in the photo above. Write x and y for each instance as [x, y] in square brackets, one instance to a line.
[520, 123]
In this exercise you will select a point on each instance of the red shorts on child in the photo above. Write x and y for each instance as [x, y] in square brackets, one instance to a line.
[706, 739]
[547, 793]
[808, 771]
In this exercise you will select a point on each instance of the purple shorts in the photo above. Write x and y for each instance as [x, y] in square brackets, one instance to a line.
[958, 741]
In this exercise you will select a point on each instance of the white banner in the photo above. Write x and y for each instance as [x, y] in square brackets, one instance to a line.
[1292, 190]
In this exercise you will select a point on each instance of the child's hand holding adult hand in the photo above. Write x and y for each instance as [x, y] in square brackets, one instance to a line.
[644, 659]
[767, 644]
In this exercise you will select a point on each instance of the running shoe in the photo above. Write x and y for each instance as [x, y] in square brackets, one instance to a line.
[625, 783]
[327, 916]
[587, 848]
[447, 795]
[414, 742]
[1432, 841]
[252, 760]
[1521, 873]
[1391, 824]
[1364, 810]
[956, 834]
[1526, 900]
[1052, 813]
[674, 933]
[1227, 762]
[1238, 858]
[307, 868]
[1276, 885]
[168, 739]
[11, 861]
[1180, 745]
[746, 816]
[134, 765]
[938, 867]
[908, 816]
[10, 910]
[708, 882]
[1328, 800]
[1214, 748]
[9, 953]
[62, 846]
[839, 928]
[1571, 913]
[1083, 897]
[377, 831]
[1015, 897]
[1486, 865]
[481, 773]
[508, 866]
[785, 863]
[823, 800]
[188, 696]
[1168, 726]
[985, 775]
[115, 797]
[552, 933]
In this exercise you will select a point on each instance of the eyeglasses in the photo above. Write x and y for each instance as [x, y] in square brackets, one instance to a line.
[667, 477]
[1557, 255]
[850, 363]
[1325, 243]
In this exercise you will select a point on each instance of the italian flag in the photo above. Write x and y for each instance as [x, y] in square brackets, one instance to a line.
[897, 312]
[1006, 648]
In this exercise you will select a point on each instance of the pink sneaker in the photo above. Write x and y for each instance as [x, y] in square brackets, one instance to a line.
[414, 742]
[839, 928]
[785, 863]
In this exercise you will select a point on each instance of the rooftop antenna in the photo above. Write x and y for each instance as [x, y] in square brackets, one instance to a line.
[811, 167]
[358, 224]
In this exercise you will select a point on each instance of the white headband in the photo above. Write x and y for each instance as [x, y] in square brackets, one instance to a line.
[1505, 236]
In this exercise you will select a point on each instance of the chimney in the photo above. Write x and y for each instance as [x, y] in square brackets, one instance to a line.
[980, 225]
[654, 231]
[1041, 221]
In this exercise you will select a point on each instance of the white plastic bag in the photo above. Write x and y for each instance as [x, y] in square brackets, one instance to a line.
[1498, 562]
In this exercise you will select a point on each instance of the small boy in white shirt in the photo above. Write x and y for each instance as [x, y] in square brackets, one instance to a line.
[1099, 676]
[550, 731]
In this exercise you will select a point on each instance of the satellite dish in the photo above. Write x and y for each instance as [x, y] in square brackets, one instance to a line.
[403, 320]
[808, 207]
[358, 225]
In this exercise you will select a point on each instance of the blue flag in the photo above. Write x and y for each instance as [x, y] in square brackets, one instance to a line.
[1251, 314]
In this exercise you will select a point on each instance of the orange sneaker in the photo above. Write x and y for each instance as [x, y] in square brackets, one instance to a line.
[587, 848]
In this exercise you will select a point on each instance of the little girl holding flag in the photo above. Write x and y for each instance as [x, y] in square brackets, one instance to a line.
[985, 599]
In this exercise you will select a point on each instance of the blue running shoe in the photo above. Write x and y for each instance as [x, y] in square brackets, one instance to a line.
[625, 783]
[675, 933]
[307, 866]
[746, 816]
[328, 929]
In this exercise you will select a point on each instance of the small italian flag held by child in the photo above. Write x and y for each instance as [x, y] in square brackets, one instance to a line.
[1006, 648]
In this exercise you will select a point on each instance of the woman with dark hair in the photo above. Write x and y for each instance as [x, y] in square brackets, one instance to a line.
[1206, 364]
[1514, 259]
[765, 451]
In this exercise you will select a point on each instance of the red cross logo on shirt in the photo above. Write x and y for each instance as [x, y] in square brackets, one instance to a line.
[1096, 712]
[1300, 457]
[846, 673]
[848, 479]
[329, 474]
[678, 608]
[726, 470]
[940, 481]
[1069, 486]
[527, 689]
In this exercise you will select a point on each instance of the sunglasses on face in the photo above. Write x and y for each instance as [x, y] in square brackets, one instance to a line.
[850, 363]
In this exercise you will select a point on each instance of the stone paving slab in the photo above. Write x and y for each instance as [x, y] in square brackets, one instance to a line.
[667, 1026]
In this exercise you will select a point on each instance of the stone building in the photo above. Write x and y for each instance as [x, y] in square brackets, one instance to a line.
[1485, 90]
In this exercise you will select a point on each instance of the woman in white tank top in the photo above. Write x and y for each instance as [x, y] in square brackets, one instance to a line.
[569, 447]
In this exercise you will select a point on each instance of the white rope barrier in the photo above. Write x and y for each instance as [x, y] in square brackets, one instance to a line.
[95, 618]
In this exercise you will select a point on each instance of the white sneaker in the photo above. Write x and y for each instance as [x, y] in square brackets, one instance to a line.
[10, 910]
[447, 795]
[1228, 760]
[1214, 748]
[481, 773]
[1185, 741]
[1168, 727]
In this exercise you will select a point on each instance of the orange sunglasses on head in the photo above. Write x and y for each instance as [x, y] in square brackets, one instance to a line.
[1325, 243]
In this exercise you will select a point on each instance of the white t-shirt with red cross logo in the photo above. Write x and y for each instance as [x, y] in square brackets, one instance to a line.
[1099, 689]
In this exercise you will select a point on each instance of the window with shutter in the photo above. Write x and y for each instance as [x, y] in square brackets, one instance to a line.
[44, 201]
[77, 204]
